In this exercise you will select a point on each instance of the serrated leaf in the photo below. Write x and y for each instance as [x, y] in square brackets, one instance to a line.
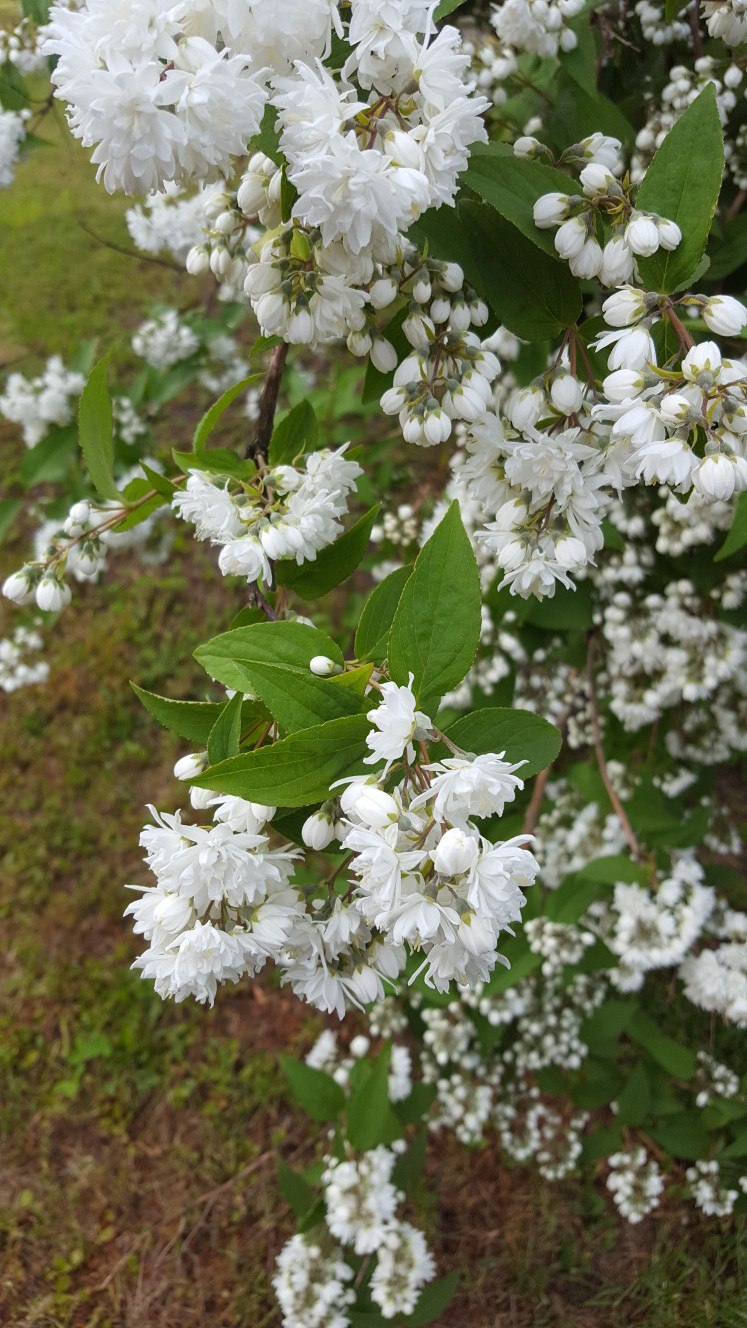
[332, 566]
[193, 720]
[377, 616]
[217, 461]
[293, 643]
[96, 431]
[159, 482]
[521, 734]
[512, 186]
[314, 1090]
[296, 698]
[683, 184]
[675, 1058]
[296, 771]
[532, 294]
[225, 735]
[296, 432]
[737, 537]
[436, 627]
[370, 1120]
[212, 416]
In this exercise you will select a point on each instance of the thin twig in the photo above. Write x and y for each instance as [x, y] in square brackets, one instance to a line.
[617, 806]
[683, 336]
[531, 816]
[697, 36]
[257, 449]
[129, 253]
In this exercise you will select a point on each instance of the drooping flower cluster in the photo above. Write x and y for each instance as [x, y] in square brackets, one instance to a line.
[281, 512]
[313, 1279]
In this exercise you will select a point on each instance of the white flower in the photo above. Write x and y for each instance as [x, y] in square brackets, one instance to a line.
[465, 787]
[395, 722]
[456, 852]
[724, 315]
[318, 830]
[362, 800]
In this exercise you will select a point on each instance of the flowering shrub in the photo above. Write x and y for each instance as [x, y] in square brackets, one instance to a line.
[530, 248]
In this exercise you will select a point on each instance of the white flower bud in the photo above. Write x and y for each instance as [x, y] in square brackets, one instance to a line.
[455, 853]
[359, 1046]
[617, 263]
[718, 478]
[19, 587]
[323, 666]
[451, 277]
[675, 409]
[587, 262]
[392, 401]
[702, 359]
[670, 234]
[526, 146]
[373, 806]
[189, 766]
[421, 291]
[318, 830]
[571, 237]
[570, 553]
[550, 210]
[198, 261]
[527, 407]
[566, 394]
[52, 595]
[383, 355]
[724, 315]
[642, 234]
[626, 306]
[382, 292]
[596, 179]
[623, 384]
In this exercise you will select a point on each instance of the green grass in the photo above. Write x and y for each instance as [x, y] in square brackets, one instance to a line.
[60, 286]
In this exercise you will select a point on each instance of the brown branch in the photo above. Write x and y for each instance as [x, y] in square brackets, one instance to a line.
[697, 36]
[257, 449]
[736, 205]
[683, 336]
[532, 814]
[617, 806]
[130, 253]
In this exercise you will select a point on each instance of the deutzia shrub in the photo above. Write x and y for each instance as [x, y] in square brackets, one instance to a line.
[528, 245]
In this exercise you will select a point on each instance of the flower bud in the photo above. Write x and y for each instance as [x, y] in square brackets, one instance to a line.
[528, 147]
[596, 179]
[571, 237]
[587, 262]
[324, 667]
[570, 553]
[626, 306]
[670, 234]
[642, 234]
[617, 263]
[382, 292]
[189, 766]
[198, 261]
[19, 587]
[704, 359]
[451, 277]
[366, 802]
[724, 315]
[383, 355]
[51, 594]
[550, 210]
[318, 830]
[717, 477]
[456, 852]
[566, 394]
[527, 407]
[623, 384]
[675, 409]
[359, 1046]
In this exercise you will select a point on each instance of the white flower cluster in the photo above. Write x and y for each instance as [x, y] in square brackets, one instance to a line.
[20, 46]
[284, 512]
[657, 929]
[171, 221]
[313, 1281]
[76, 547]
[655, 27]
[633, 233]
[326, 1055]
[635, 1183]
[684, 84]
[40, 403]
[165, 340]
[715, 1080]
[716, 980]
[12, 137]
[726, 19]
[18, 668]
[421, 876]
[709, 1193]
[538, 27]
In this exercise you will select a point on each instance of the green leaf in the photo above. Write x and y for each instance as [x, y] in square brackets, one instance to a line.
[738, 1146]
[296, 771]
[683, 183]
[96, 431]
[447, 7]
[521, 734]
[9, 509]
[419, 1102]
[372, 636]
[212, 416]
[295, 1190]
[268, 139]
[572, 898]
[565, 611]
[295, 432]
[727, 250]
[432, 1302]
[535, 296]
[577, 113]
[296, 698]
[315, 1091]
[683, 1135]
[602, 1028]
[370, 1119]
[193, 720]
[436, 628]
[225, 656]
[512, 186]
[601, 1143]
[48, 462]
[159, 482]
[580, 64]
[737, 536]
[216, 461]
[635, 1097]
[673, 1057]
[333, 565]
[225, 735]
